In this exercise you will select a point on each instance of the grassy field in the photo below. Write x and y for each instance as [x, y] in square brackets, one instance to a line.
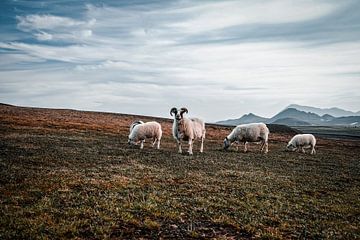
[69, 174]
[333, 132]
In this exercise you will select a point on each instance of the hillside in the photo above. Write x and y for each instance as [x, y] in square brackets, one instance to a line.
[71, 174]
[295, 117]
[293, 113]
[291, 122]
[336, 112]
[247, 118]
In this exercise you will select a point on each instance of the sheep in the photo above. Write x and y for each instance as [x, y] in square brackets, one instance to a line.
[301, 141]
[140, 130]
[187, 129]
[252, 132]
[133, 125]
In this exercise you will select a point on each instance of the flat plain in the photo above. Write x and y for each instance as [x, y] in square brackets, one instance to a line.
[71, 174]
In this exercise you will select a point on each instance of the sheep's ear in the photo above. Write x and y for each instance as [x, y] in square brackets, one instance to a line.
[173, 110]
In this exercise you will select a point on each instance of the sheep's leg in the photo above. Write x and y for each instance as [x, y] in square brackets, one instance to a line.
[245, 146]
[313, 150]
[179, 146]
[202, 145]
[141, 144]
[262, 146]
[266, 147]
[237, 145]
[302, 150]
[190, 147]
[158, 144]
[154, 141]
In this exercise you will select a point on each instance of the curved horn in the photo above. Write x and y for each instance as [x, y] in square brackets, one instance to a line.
[173, 110]
[184, 110]
[138, 122]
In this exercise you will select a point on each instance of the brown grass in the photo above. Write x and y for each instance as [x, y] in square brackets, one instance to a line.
[71, 174]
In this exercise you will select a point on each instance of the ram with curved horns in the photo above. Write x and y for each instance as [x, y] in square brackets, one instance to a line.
[187, 129]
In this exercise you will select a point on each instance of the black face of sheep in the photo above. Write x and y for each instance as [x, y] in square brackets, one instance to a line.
[226, 143]
[178, 114]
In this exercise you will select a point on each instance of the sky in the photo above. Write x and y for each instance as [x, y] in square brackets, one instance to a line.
[220, 59]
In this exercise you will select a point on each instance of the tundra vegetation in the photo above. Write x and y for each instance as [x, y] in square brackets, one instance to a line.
[70, 174]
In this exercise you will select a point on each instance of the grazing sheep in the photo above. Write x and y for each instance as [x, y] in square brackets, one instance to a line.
[139, 131]
[187, 129]
[252, 132]
[301, 141]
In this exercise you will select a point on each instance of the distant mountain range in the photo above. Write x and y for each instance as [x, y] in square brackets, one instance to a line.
[335, 112]
[297, 115]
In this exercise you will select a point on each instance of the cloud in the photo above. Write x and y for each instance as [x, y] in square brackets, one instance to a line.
[210, 16]
[221, 59]
[46, 22]
[43, 36]
[50, 27]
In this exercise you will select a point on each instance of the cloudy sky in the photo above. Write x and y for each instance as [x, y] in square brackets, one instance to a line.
[220, 59]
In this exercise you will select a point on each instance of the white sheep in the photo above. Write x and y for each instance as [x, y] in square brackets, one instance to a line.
[187, 129]
[301, 141]
[139, 131]
[252, 132]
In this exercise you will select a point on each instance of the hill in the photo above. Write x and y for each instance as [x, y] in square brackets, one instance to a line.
[352, 120]
[71, 174]
[336, 112]
[295, 117]
[247, 118]
[291, 122]
[293, 113]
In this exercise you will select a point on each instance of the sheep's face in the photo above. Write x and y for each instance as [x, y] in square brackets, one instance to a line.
[132, 142]
[178, 113]
[178, 116]
[290, 147]
[226, 143]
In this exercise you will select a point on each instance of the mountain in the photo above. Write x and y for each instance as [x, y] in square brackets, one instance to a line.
[336, 112]
[327, 117]
[295, 117]
[291, 122]
[352, 120]
[247, 118]
[292, 113]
